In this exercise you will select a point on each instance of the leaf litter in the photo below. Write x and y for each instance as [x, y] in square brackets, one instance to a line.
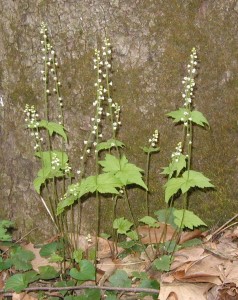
[208, 271]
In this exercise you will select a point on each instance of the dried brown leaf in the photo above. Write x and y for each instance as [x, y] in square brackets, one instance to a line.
[189, 235]
[184, 291]
[187, 255]
[23, 296]
[155, 235]
[39, 261]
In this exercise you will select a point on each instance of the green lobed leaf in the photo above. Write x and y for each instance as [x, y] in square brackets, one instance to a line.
[186, 218]
[21, 258]
[48, 272]
[163, 263]
[105, 236]
[198, 118]
[149, 150]
[191, 243]
[127, 244]
[5, 264]
[56, 258]
[120, 279]
[68, 201]
[109, 144]
[150, 284]
[140, 275]
[31, 276]
[189, 179]
[48, 249]
[177, 115]
[54, 127]
[166, 216]
[122, 225]
[172, 186]
[38, 182]
[151, 222]
[4, 226]
[86, 272]
[78, 255]
[111, 295]
[64, 284]
[18, 282]
[132, 234]
[110, 164]
[175, 166]
[126, 172]
[46, 157]
[193, 179]
[47, 172]
[107, 183]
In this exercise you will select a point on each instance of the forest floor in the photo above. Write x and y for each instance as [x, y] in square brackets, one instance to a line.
[207, 271]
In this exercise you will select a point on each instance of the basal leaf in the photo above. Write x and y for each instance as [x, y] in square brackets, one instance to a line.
[149, 221]
[5, 264]
[54, 127]
[191, 243]
[31, 276]
[78, 255]
[186, 218]
[16, 283]
[149, 284]
[120, 279]
[111, 295]
[122, 225]
[166, 216]
[140, 275]
[198, 118]
[109, 144]
[163, 263]
[132, 234]
[21, 258]
[4, 226]
[48, 249]
[64, 284]
[48, 272]
[86, 272]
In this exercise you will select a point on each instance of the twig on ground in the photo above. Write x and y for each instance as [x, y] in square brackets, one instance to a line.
[81, 287]
[220, 229]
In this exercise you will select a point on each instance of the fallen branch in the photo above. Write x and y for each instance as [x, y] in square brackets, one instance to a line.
[82, 287]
